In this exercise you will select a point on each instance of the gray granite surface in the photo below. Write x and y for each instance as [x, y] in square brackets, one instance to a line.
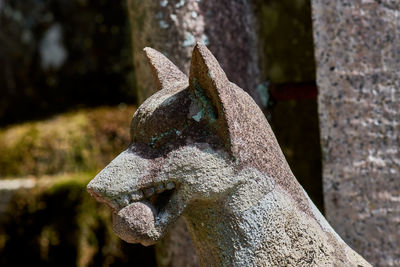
[358, 67]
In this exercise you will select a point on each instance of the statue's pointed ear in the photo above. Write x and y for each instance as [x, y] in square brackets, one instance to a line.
[211, 87]
[206, 72]
[165, 72]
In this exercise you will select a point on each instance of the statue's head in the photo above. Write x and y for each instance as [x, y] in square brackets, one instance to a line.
[201, 139]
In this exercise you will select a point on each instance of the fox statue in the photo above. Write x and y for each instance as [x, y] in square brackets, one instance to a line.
[201, 148]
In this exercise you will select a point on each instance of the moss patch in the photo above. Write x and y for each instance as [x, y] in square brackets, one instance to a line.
[72, 142]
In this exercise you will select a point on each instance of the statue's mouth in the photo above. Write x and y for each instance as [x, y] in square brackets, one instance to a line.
[157, 195]
[139, 216]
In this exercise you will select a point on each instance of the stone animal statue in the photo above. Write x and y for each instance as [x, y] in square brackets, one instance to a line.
[202, 149]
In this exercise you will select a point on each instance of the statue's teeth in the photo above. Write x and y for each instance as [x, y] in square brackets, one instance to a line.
[148, 192]
[160, 188]
[170, 185]
[124, 200]
[137, 195]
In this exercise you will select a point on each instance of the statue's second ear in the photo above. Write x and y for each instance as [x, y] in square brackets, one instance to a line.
[166, 74]
[211, 87]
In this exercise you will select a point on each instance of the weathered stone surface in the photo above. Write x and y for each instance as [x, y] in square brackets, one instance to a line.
[206, 152]
[358, 63]
[178, 254]
[173, 27]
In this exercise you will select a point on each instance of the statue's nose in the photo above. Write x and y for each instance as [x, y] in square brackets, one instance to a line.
[95, 189]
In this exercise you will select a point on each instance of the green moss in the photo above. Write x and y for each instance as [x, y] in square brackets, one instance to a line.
[78, 141]
[157, 139]
[74, 180]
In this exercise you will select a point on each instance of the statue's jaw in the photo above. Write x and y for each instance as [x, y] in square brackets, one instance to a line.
[135, 223]
[144, 218]
[142, 207]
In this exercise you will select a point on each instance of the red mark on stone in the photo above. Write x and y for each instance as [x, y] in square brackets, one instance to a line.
[293, 91]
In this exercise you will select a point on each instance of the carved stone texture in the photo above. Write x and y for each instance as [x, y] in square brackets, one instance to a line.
[358, 70]
[205, 151]
[173, 27]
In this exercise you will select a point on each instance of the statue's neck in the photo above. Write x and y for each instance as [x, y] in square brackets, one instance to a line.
[226, 234]
[224, 231]
[271, 231]
[215, 232]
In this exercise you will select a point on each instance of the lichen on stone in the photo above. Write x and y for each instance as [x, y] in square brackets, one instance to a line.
[189, 40]
[208, 110]
[158, 138]
[263, 92]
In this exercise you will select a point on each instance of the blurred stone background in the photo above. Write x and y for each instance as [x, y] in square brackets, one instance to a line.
[67, 93]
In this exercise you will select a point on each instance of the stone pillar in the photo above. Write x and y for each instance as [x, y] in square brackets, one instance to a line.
[357, 49]
[174, 26]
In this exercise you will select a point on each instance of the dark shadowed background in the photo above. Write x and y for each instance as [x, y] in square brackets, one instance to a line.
[67, 93]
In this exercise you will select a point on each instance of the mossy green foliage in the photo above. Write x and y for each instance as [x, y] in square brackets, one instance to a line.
[59, 224]
[286, 34]
[72, 142]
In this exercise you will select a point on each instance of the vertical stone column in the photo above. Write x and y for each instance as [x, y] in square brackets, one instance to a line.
[173, 27]
[358, 74]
